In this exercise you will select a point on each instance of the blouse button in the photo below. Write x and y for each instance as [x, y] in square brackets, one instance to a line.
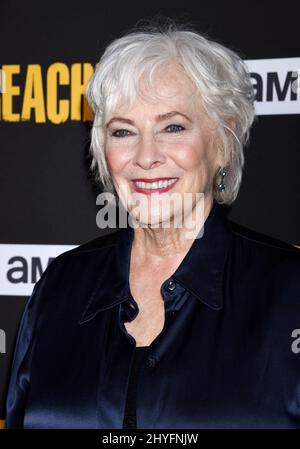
[171, 285]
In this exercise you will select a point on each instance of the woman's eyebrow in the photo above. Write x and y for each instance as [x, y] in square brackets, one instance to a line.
[158, 118]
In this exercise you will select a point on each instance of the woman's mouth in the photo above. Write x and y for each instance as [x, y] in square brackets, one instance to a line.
[155, 185]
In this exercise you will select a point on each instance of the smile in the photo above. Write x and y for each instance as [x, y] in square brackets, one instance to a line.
[159, 185]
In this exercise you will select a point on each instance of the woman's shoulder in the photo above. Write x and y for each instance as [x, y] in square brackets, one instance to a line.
[106, 240]
[77, 271]
[262, 242]
[89, 257]
[265, 252]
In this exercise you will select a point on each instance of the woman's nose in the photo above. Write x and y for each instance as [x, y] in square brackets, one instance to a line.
[148, 153]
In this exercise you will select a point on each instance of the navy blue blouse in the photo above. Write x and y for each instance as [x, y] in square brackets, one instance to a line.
[130, 421]
[227, 357]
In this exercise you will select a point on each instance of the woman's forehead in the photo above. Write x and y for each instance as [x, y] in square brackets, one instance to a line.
[169, 89]
[159, 109]
[166, 81]
[161, 102]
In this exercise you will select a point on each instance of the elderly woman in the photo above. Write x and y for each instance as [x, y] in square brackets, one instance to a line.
[157, 325]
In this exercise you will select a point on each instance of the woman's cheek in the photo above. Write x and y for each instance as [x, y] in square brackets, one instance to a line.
[116, 158]
[190, 156]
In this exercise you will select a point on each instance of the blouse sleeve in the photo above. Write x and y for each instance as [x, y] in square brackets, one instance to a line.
[20, 374]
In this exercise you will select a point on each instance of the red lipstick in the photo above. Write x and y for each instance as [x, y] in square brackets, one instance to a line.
[150, 191]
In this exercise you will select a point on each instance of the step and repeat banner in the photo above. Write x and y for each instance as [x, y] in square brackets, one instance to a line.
[48, 201]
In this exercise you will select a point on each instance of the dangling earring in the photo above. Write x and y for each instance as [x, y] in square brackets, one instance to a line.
[221, 185]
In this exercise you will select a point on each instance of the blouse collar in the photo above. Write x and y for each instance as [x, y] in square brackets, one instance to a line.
[201, 272]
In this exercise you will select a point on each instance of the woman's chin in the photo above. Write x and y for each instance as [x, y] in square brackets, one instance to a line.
[152, 220]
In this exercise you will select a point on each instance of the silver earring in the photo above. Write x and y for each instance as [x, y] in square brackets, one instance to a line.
[221, 185]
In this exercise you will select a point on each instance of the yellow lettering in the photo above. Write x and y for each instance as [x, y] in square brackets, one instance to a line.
[39, 105]
[80, 74]
[58, 110]
[10, 92]
[33, 94]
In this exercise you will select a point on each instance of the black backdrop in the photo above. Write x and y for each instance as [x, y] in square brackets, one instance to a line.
[45, 191]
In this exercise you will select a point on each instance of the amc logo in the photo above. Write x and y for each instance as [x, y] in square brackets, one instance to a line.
[23, 271]
[276, 85]
[21, 266]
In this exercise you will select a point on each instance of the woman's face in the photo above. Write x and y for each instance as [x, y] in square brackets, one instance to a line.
[166, 135]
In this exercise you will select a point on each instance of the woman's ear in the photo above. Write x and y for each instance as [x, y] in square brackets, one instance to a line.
[230, 131]
[220, 156]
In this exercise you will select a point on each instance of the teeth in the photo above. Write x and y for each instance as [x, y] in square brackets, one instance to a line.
[154, 185]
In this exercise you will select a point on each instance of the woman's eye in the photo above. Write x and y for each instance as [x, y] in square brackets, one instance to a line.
[175, 128]
[120, 133]
[124, 132]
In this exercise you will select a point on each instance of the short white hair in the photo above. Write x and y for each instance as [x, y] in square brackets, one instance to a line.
[220, 75]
